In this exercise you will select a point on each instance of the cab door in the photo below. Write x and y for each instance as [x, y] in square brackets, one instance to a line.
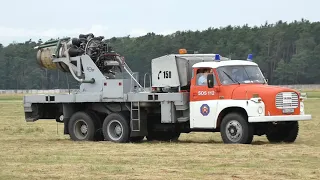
[203, 103]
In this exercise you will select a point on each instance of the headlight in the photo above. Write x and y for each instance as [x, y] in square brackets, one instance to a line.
[260, 110]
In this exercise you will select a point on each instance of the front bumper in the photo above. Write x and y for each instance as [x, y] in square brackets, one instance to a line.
[279, 118]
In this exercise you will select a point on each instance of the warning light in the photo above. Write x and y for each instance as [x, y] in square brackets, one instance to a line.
[217, 57]
[249, 57]
[182, 51]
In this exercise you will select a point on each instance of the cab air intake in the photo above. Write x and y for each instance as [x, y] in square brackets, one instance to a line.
[287, 100]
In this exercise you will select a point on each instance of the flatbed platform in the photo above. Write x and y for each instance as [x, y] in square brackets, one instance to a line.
[178, 98]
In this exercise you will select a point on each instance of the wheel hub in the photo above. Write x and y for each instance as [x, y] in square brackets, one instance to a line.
[118, 130]
[81, 129]
[84, 129]
[234, 131]
[115, 131]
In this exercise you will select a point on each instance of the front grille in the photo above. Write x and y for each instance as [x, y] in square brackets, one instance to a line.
[287, 100]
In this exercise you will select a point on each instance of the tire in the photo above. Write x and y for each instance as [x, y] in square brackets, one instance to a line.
[292, 131]
[229, 129]
[98, 131]
[116, 128]
[81, 127]
[275, 134]
[275, 137]
[284, 133]
[136, 139]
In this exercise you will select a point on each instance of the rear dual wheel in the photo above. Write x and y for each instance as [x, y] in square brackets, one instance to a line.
[116, 128]
[82, 127]
[86, 126]
[98, 125]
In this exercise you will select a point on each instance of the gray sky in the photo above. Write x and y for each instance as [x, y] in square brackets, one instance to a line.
[24, 19]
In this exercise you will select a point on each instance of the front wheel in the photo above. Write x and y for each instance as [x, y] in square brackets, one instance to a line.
[283, 132]
[292, 131]
[236, 130]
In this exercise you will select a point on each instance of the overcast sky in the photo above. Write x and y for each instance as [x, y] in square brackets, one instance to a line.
[24, 19]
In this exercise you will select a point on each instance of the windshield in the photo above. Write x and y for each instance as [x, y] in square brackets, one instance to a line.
[240, 74]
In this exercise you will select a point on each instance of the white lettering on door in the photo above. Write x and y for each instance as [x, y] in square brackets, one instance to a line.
[204, 93]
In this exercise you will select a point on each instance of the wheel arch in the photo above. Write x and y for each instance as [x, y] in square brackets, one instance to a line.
[227, 110]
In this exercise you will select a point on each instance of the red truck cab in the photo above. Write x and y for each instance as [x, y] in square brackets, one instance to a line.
[234, 97]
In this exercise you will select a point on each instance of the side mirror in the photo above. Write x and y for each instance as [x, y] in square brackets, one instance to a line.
[210, 80]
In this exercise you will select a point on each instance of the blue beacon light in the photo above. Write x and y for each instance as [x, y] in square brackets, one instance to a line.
[249, 57]
[217, 57]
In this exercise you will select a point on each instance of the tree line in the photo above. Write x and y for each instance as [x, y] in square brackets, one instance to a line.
[287, 53]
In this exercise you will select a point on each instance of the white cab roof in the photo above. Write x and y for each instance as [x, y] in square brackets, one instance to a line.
[216, 64]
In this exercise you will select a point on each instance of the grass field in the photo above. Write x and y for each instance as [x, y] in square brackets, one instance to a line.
[40, 151]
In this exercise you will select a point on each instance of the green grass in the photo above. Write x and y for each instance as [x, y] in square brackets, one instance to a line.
[38, 151]
[313, 94]
[10, 97]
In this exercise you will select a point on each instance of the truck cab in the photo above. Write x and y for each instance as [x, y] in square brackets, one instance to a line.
[234, 97]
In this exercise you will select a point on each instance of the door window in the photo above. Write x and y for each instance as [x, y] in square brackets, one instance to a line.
[201, 77]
